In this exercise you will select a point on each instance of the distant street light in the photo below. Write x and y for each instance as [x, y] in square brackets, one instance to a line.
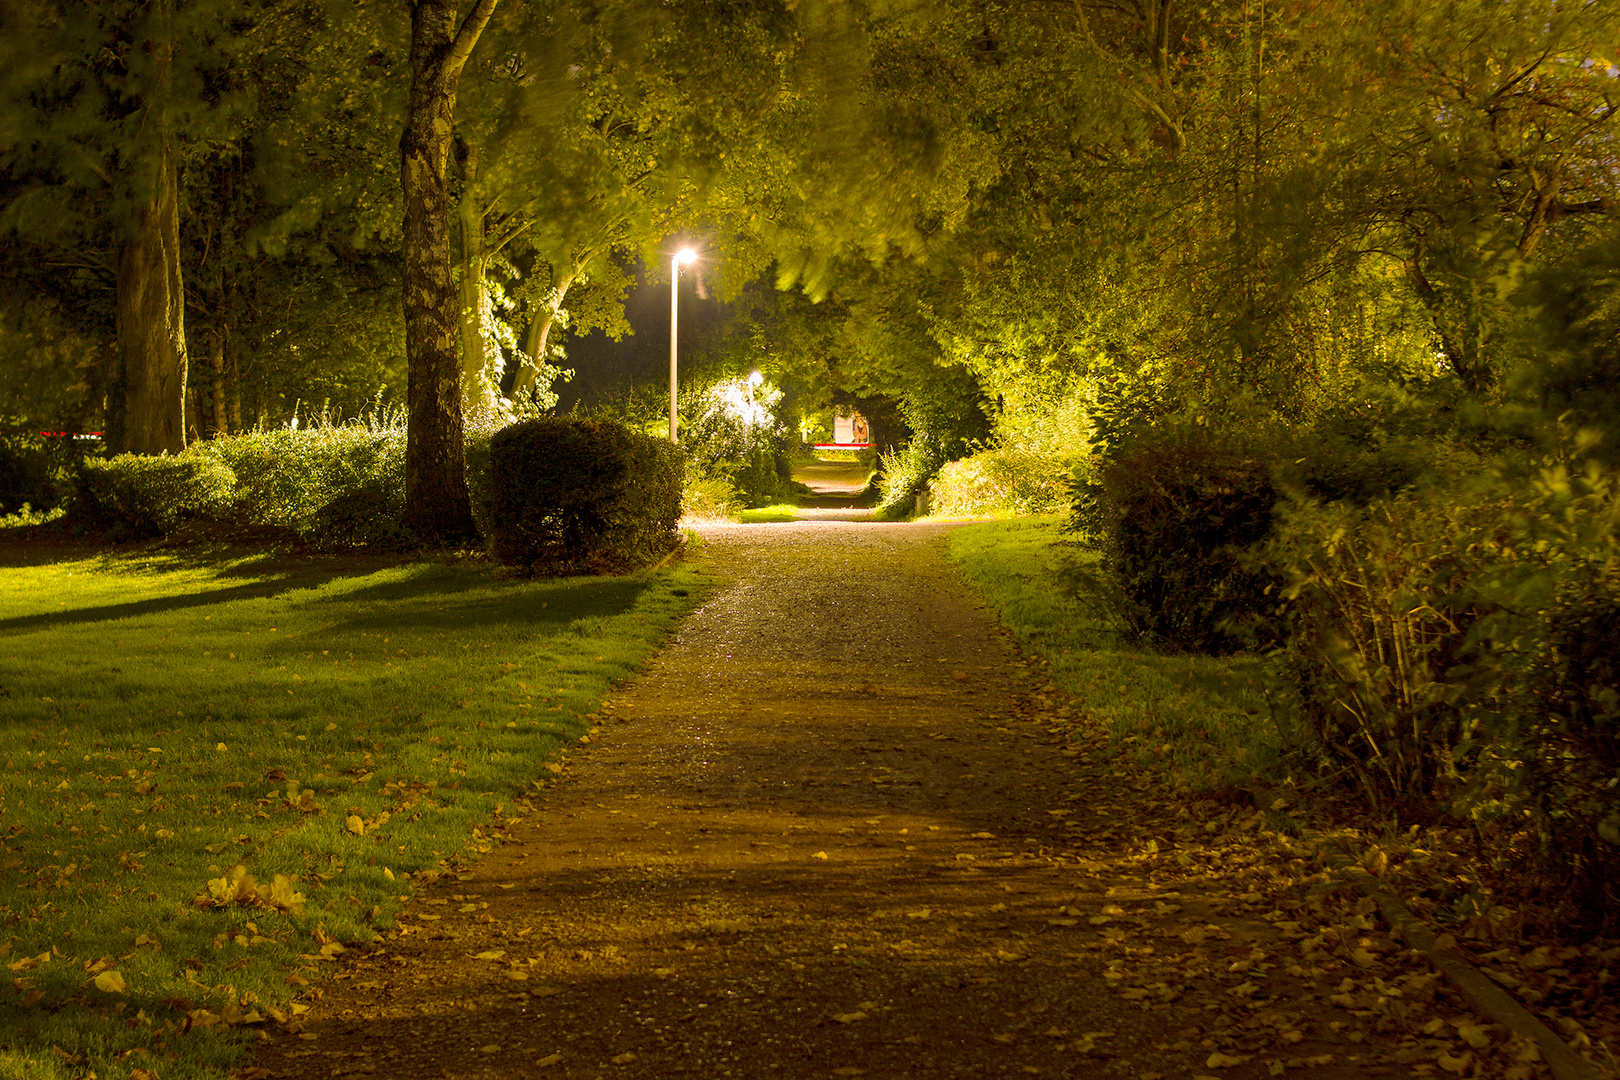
[753, 380]
[685, 255]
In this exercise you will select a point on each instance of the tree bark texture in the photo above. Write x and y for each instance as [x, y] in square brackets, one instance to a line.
[218, 424]
[437, 505]
[151, 314]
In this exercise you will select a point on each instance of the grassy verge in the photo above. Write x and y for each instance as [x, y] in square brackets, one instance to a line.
[331, 729]
[1204, 719]
[766, 514]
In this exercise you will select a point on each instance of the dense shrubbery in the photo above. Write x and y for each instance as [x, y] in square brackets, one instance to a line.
[752, 453]
[135, 496]
[573, 495]
[1447, 621]
[1456, 648]
[1001, 479]
[341, 484]
[39, 471]
[1174, 511]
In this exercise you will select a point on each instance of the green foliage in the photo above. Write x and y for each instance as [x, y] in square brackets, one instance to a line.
[710, 499]
[735, 435]
[337, 482]
[135, 497]
[572, 495]
[1454, 647]
[1000, 479]
[1174, 512]
[903, 473]
[39, 470]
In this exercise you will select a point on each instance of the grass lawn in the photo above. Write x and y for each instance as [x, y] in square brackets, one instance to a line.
[769, 514]
[216, 768]
[1206, 719]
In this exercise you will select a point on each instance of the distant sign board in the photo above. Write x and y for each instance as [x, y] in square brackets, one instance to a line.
[851, 430]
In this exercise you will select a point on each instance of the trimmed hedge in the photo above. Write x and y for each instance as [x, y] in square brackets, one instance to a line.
[569, 495]
[139, 496]
[341, 484]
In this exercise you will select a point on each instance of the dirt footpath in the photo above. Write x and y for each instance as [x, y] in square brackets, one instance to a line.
[842, 829]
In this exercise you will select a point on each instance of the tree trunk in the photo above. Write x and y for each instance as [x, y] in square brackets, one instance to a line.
[539, 334]
[151, 315]
[217, 424]
[479, 354]
[437, 505]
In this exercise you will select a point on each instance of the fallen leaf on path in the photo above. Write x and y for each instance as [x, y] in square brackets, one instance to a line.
[549, 1060]
[624, 1058]
[490, 954]
[849, 1017]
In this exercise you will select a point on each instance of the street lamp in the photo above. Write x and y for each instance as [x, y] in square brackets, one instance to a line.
[753, 380]
[685, 255]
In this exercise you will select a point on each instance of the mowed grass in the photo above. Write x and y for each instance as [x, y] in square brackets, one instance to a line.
[762, 515]
[1206, 720]
[348, 724]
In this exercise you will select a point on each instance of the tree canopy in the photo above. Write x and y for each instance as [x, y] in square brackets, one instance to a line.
[214, 214]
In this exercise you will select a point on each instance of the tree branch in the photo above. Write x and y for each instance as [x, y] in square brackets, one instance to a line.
[467, 37]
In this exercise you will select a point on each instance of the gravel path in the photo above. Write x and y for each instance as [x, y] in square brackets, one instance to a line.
[839, 829]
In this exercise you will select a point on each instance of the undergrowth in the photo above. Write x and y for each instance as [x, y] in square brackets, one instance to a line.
[1205, 720]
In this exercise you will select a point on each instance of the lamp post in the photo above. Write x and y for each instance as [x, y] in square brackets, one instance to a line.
[685, 255]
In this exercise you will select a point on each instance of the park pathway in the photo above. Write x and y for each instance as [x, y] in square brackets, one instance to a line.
[839, 829]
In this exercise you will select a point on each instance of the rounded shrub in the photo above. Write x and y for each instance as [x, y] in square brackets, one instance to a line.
[138, 496]
[571, 495]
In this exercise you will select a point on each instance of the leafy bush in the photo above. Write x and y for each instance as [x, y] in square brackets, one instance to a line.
[1174, 513]
[756, 459]
[903, 473]
[138, 496]
[290, 477]
[1001, 479]
[1377, 615]
[1456, 648]
[38, 470]
[710, 499]
[572, 495]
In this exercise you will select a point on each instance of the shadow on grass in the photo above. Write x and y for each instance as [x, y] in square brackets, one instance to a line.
[159, 605]
[424, 604]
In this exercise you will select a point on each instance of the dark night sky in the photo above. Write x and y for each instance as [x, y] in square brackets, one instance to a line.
[600, 363]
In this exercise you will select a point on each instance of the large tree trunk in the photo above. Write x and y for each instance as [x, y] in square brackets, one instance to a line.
[539, 334]
[217, 423]
[437, 505]
[151, 315]
[479, 353]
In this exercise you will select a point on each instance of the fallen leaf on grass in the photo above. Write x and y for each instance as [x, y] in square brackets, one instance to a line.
[849, 1017]
[110, 982]
[624, 1058]
[549, 1060]
[353, 824]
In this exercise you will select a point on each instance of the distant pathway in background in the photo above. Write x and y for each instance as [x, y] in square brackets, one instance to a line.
[838, 830]
[835, 486]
